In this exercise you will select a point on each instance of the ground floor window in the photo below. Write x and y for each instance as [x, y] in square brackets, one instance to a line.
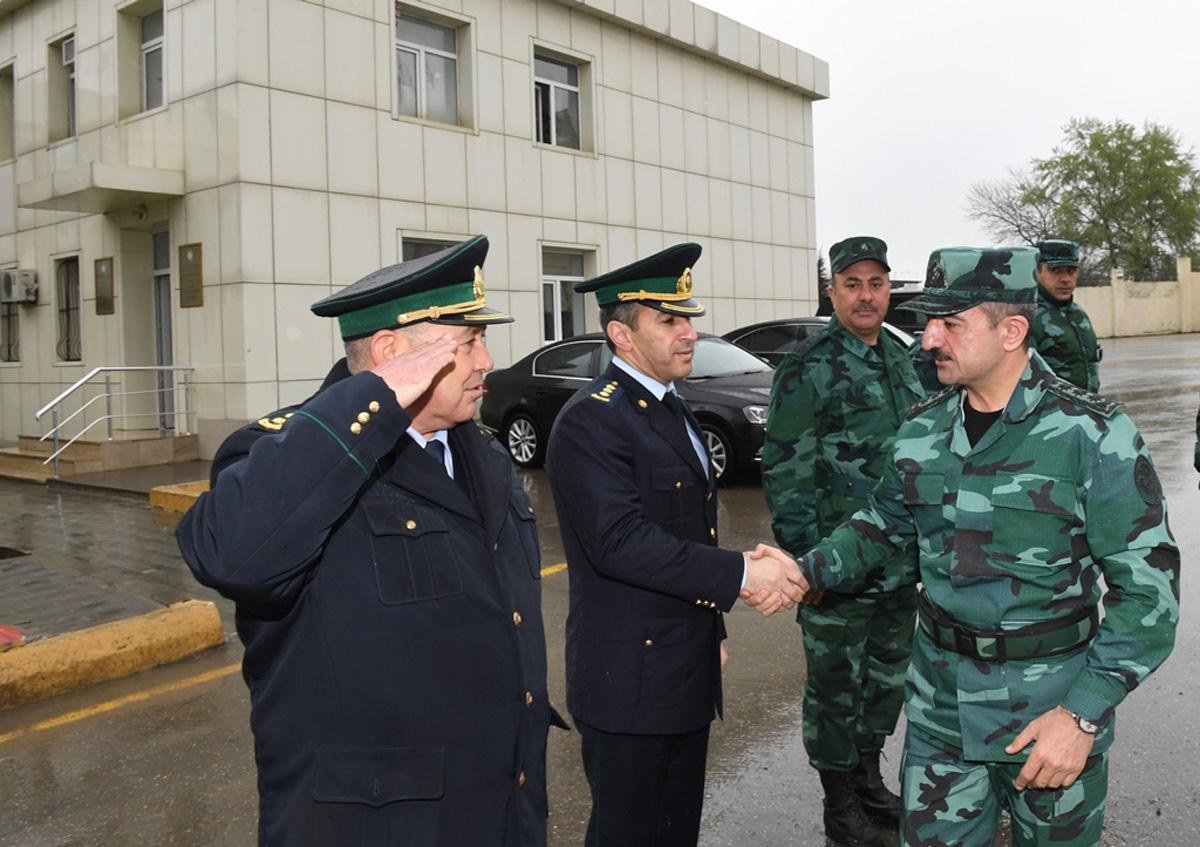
[562, 307]
[10, 338]
[69, 346]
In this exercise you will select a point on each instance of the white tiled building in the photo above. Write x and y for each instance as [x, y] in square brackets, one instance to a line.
[276, 150]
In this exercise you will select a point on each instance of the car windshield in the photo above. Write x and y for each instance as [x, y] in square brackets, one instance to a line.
[717, 357]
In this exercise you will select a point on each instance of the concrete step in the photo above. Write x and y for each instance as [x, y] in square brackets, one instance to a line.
[96, 455]
[15, 464]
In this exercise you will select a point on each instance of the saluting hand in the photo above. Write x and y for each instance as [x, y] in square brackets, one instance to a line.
[410, 373]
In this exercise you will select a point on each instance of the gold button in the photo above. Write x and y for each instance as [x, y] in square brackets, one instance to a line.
[517, 619]
[356, 427]
[495, 546]
[641, 404]
[410, 524]
[712, 532]
[649, 642]
[531, 510]
[363, 417]
[678, 484]
[373, 406]
[528, 699]
[699, 602]
[521, 780]
[708, 496]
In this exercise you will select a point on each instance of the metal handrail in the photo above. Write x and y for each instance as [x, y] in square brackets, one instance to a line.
[53, 406]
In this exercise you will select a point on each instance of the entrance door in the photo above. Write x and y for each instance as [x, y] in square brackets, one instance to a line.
[163, 350]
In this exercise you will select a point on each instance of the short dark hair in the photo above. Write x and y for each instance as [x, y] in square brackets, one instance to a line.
[997, 312]
[626, 313]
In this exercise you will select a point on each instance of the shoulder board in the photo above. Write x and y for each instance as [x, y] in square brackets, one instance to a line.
[930, 401]
[808, 344]
[274, 421]
[607, 392]
[1070, 391]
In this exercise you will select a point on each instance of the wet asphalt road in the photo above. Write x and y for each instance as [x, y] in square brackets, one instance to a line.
[165, 757]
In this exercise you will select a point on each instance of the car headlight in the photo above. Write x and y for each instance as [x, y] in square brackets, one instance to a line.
[755, 414]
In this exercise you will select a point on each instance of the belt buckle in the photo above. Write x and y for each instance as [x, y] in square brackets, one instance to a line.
[964, 643]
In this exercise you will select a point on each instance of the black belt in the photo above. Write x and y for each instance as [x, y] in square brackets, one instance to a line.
[1045, 638]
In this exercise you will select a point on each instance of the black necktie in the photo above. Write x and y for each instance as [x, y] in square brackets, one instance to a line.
[437, 450]
[671, 401]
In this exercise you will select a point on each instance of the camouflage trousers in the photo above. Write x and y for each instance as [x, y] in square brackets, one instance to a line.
[948, 801]
[857, 647]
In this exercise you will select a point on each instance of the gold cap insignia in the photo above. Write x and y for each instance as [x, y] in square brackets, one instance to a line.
[478, 283]
[684, 286]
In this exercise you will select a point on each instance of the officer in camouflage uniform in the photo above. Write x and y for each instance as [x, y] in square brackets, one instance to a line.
[1018, 492]
[836, 404]
[1061, 332]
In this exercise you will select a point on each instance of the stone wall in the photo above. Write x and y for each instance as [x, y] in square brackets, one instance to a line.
[1127, 307]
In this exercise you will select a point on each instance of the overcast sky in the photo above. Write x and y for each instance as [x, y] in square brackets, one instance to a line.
[929, 96]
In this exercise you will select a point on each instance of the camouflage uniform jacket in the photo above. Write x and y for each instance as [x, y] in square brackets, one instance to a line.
[1016, 530]
[836, 405]
[1065, 337]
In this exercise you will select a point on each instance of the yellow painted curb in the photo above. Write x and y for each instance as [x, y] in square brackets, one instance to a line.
[63, 663]
[177, 498]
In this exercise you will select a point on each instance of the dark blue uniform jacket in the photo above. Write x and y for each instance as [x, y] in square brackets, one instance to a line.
[392, 625]
[639, 523]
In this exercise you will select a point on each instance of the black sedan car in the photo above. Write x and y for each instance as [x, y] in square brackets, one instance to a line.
[727, 391]
[772, 340]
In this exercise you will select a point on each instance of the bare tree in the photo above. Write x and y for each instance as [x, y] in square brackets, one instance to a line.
[1016, 208]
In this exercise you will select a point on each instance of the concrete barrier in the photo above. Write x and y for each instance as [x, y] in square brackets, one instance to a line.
[60, 663]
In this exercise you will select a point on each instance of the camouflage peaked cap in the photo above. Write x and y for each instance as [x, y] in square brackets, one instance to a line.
[1058, 254]
[850, 250]
[662, 281]
[961, 277]
[445, 287]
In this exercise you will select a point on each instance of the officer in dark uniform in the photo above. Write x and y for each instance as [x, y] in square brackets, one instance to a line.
[387, 589]
[636, 502]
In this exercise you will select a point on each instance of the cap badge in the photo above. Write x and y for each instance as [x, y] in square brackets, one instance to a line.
[478, 283]
[683, 286]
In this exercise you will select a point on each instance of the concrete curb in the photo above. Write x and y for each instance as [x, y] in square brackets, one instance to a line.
[61, 663]
[177, 498]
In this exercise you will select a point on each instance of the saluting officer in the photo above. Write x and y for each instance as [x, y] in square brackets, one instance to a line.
[637, 505]
[1062, 332]
[385, 566]
[836, 404]
[1027, 504]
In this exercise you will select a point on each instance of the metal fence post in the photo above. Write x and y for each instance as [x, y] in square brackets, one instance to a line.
[108, 402]
[54, 422]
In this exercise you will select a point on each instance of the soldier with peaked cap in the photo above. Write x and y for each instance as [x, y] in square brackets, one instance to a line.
[385, 566]
[637, 506]
[1025, 503]
[1062, 332]
[836, 404]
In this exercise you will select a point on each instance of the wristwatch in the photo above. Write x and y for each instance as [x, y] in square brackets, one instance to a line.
[1083, 723]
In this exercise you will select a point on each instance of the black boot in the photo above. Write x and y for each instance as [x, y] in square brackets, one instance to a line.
[845, 821]
[877, 801]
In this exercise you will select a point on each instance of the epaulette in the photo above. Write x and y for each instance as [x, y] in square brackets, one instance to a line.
[274, 421]
[808, 344]
[607, 392]
[1070, 391]
[930, 401]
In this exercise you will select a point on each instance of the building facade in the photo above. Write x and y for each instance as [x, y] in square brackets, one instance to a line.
[183, 179]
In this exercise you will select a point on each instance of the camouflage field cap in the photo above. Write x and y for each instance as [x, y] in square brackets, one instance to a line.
[445, 287]
[662, 281]
[850, 250]
[958, 278]
[1058, 254]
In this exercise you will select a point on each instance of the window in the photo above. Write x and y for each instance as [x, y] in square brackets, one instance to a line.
[556, 101]
[569, 360]
[7, 113]
[60, 82]
[426, 69]
[69, 346]
[140, 57]
[10, 336]
[562, 307]
[414, 248]
[152, 60]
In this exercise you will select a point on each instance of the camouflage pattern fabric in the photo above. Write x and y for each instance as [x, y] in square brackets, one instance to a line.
[959, 802]
[857, 649]
[1066, 339]
[836, 405]
[1017, 530]
[922, 362]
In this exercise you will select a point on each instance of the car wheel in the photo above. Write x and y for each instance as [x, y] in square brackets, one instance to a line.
[720, 451]
[524, 442]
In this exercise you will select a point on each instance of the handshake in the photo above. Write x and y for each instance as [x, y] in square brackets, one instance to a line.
[773, 581]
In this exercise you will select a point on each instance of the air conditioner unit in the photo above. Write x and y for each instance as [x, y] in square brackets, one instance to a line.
[18, 286]
[68, 50]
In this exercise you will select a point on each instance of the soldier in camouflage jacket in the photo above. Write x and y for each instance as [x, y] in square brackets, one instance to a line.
[836, 404]
[1017, 501]
[1062, 332]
